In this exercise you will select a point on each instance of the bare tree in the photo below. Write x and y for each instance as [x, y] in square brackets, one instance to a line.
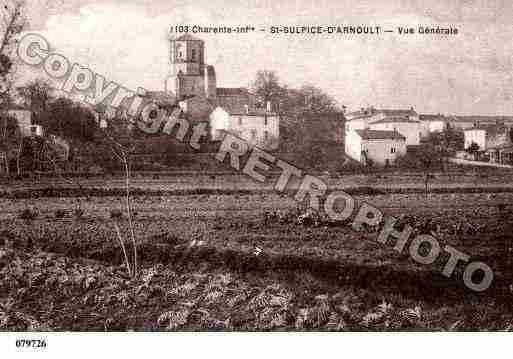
[118, 138]
[12, 25]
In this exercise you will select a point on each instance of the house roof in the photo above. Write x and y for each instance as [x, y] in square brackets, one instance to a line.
[491, 130]
[227, 99]
[379, 135]
[394, 119]
[410, 112]
[254, 113]
[232, 91]
[161, 97]
[369, 112]
[187, 37]
[502, 147]
[429, 117]
[484, 119]
[18, 108]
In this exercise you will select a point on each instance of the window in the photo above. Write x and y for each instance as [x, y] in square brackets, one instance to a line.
[193, 55]
[240, 121]
[253, 134]
[392, 150]
[265, 121]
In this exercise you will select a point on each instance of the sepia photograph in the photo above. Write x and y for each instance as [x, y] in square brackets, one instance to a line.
[282, 167]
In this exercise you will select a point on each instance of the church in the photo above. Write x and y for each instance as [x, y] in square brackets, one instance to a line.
[233, 110]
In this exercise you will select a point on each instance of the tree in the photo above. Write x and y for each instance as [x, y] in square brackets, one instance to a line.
[10, 140]
[267, 87]
[36, 95]
[69, 120]
[473, 149]
[13, 24]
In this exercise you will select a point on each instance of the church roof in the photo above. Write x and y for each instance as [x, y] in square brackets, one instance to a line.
[187, 37]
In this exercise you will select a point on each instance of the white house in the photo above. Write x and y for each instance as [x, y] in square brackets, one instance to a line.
[432, 123]
[381, 147]
[487, 136]
[258, 128]
[406, 122]
[477, 135]
[409, 128]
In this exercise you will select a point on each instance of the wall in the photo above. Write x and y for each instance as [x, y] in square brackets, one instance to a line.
[249, 127]
[436, 126]
[219, 122]
[380, 150]
[253, 129]
[412, 131]
[353, 145]
[358, 124]
[501, 138]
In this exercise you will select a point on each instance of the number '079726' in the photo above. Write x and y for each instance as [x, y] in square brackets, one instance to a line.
[30, 343]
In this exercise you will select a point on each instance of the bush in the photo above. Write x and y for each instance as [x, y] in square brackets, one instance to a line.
[96, 170]
[60, 213]
[116, 213]
[28, 214]
[78, 213]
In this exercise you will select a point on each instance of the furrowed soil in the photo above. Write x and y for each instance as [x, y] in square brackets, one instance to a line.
[214, 261]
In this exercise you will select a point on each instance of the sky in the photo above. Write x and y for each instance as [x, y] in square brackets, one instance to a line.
[470, 73]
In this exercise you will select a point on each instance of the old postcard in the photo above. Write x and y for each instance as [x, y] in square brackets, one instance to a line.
[269, 166]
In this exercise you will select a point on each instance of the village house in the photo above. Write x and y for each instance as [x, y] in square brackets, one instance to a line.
[492, 139]
[259, 127]
[487, 136]
[432, 123]
[374, 146]
[410, 129]
[467, 122]
[403, 122]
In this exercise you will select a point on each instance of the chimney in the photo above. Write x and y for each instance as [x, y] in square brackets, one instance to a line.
[268, 106]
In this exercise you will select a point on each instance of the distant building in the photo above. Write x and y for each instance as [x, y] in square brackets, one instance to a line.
[432, 123]
[406, 122]
[466, 122]
[410, 129]
[259, 127]
[487, 136]
[380, 147]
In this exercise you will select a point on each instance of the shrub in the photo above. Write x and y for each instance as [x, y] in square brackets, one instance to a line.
[78, 213]
[28, 214]
[96, 170]
[60, 213]
[116, 213]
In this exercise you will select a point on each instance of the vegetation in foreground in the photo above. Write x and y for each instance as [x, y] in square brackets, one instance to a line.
[209, 263]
